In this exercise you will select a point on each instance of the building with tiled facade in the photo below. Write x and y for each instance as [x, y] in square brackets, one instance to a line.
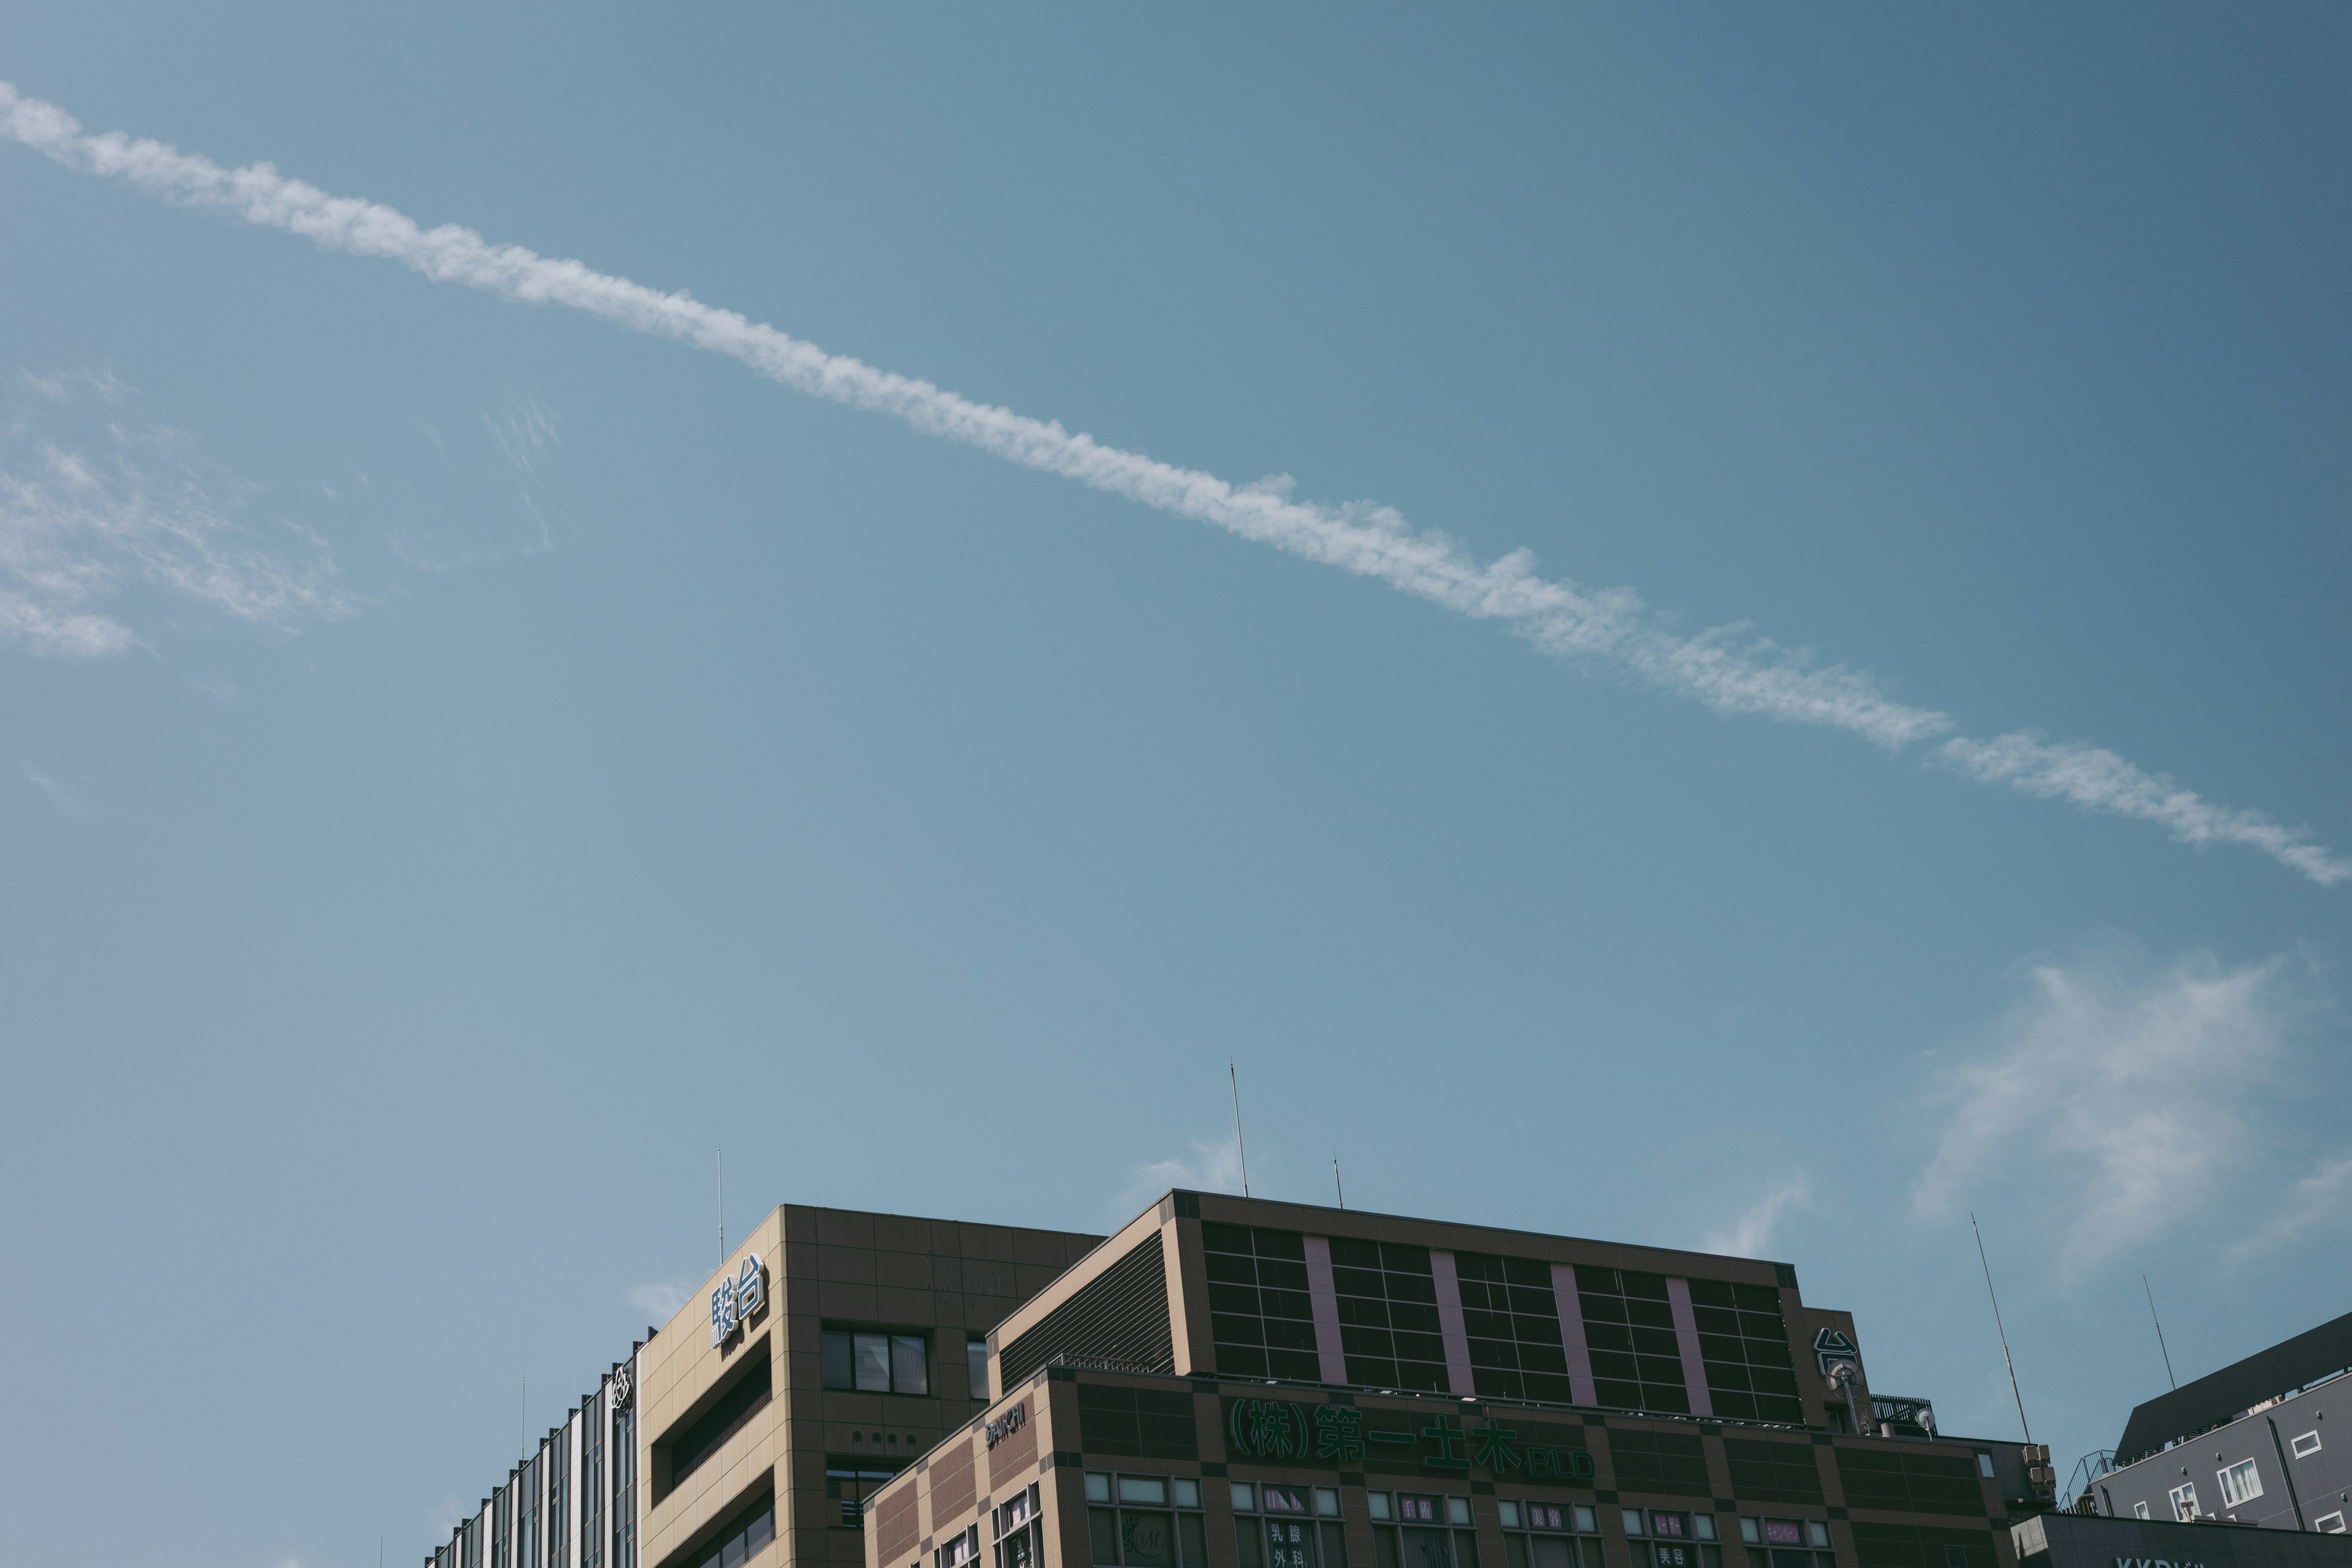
[1232, 1382]
[830, 1351]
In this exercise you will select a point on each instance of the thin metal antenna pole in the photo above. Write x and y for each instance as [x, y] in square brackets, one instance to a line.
[1335, 1179]
[1239, 1147]
[2160, 1332]
[522, 1432]
[722, 1205]
[2003, 1332]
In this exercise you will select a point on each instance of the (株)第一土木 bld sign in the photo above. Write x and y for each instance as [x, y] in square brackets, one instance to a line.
[1283, 1431]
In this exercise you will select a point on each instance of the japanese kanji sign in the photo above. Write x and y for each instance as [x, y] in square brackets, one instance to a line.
[1333, 1436]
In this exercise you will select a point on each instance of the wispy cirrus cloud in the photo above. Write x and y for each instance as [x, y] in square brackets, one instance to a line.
[1727, 669]
[66, 803]
[1748, 1235]
[2121, 1100]
[2318, 1205]
[1212, 1165]
[98, 504]
[660, 1299]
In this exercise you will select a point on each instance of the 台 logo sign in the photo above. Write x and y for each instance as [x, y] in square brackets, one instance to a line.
[737, 1297]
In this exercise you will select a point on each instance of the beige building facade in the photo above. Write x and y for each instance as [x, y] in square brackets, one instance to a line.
[831, 1350]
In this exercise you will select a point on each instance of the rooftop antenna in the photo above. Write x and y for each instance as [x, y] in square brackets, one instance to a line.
[2160, 1332]
[722, 1205]
[2003, 1332]
[1335, 1179]
[522, 1432]
[1239, 1148]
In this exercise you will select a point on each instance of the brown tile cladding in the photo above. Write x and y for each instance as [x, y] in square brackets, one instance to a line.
[951, 1482]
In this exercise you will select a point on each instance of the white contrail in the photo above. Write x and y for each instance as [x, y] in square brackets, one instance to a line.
[1609, 627]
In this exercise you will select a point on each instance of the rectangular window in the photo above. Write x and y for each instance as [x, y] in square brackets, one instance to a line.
[975, 1354]
[2184, 1501]
[1020, 1536]
[2305, 1446]
[1637, 1361]
[2139, 1511]
[872, 1362]
[1387, 1317]
[745, 1536]
[850, 1483]
[1513, 1321]
[1259, 1314]
[2329, 1524]
[1549, 1534]
[1156, 1524]
[1414, 1530]
[2240, 1484]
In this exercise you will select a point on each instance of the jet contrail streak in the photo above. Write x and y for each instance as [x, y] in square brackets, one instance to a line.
[1611, 628]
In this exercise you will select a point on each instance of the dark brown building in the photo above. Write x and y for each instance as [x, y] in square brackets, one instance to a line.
[1239, 1383]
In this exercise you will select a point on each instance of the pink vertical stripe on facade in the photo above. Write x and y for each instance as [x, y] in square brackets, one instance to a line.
[1449, 1322]
[1686, 1337]
[1324, 1297]
[1571, 1335]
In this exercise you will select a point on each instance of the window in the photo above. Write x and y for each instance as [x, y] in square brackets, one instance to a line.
[1145, 1521]
[1410, 1530]
[2240, 1484]
[1300, 1528]
[1549, 1534]
[1259, 1312]
[1019, 1535]
[1658, 1538]
[975, 1355]
[624, 1483]
[688, 1443]
[958, 1549]
[1787, 1543]
[1387, 1316]
[2184, 1501]
[850, 1483]
[1637, 1362]
[873, 1363]
[743, 1538]
[2305, 1446]
[1984, 1464]
[2330, 1524]
[1743, 1345]
[1513, 1319]
[2139, 1511]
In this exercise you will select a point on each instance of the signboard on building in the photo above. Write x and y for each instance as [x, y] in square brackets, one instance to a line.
[1283, 1431]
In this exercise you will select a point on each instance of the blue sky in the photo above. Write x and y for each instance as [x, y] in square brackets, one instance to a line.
[465, 758]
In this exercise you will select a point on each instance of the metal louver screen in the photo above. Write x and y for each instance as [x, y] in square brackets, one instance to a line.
[1121, 1316]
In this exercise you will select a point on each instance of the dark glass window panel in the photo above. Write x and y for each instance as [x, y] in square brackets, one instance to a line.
[1349, 1253]
[1192, 1541]
[1612, 1337]
[1240, 1361]
[1553, 1386]
[1400, 1259]
[1415, 1316]
[1603, 1309]
[1657, 1341]
[1225, 1266]
[1356, 1281]
[1358, 1342]
[1226, 1238]
[1300, 1367]
[1655, 1314]
[1420, 1347]
[1282, 1303]
[1225, 1298]
[1652, 1286]
[833, 1352]
[1365, 1311]
[1288, 1334]
[1614, 1364]
[1543, 1358]
[1282, 1275]
[1102, 1533]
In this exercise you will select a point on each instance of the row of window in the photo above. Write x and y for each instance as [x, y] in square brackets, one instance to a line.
[1263, 1323]
[1157, 1521]
[517, 1539]
[892, 1362]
